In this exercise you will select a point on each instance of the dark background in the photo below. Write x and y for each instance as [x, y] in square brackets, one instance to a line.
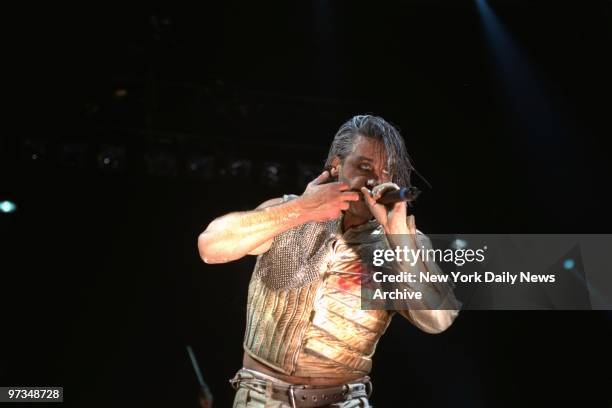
[128, 131]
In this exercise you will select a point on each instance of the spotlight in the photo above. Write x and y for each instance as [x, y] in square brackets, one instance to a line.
[7, 207]
[112, 159]
[459, 244]
[201, 167]
[120, 93]
[33, 151]
[238, 169]
[272, 174]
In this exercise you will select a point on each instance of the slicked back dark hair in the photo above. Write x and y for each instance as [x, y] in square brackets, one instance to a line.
[377, 128]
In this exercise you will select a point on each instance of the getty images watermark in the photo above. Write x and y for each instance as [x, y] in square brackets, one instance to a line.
[489, 272]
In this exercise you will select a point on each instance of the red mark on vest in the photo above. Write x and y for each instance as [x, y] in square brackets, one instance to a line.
[348, 282]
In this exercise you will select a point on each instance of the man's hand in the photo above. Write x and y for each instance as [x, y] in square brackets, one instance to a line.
[325, 201]
[392, 217]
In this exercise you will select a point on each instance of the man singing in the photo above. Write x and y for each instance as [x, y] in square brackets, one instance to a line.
[308, 343]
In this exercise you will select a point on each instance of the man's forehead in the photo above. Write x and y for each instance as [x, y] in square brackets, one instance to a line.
[367, 148]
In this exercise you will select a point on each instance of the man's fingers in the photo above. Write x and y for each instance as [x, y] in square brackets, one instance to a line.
[367, 196]
[380, 189]
[411, 225]
[350, 196]
[321, 178]
[343, 186]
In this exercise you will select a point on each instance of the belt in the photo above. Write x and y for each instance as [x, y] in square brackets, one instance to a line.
[302, 396]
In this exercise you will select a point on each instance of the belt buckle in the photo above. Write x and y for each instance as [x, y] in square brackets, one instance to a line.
[365, 387]
[352, 387]
[235, 382]
[292, 396]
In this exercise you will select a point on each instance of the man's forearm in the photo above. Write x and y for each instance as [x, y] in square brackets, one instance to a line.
[234, 235]
[438, 308]
[237, 234]
[432, 295]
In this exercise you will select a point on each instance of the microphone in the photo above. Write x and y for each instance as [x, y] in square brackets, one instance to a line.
[403, 194]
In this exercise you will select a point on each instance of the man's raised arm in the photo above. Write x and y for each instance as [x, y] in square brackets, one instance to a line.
[438, 295]
[237, 234]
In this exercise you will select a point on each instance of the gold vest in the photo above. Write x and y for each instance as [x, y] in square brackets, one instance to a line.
[303, 309]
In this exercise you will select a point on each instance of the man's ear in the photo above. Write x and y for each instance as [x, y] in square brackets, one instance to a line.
[335, 166]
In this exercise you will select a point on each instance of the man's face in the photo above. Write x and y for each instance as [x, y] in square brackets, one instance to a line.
[365, 166]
